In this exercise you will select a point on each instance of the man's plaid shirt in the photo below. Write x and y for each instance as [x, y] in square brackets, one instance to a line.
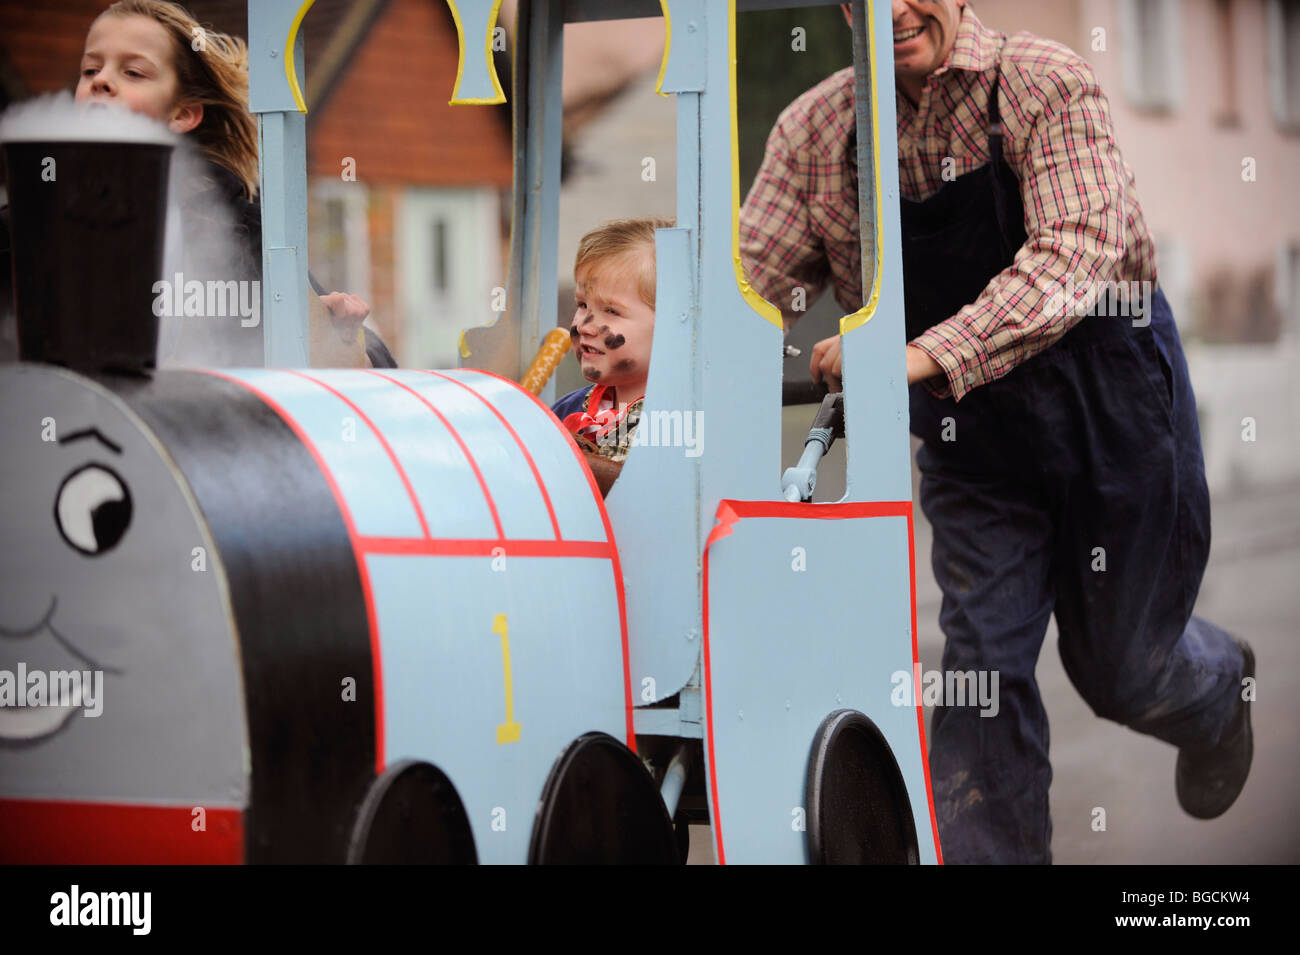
[799, 224]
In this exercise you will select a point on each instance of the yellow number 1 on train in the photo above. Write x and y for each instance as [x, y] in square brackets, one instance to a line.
[507, 732]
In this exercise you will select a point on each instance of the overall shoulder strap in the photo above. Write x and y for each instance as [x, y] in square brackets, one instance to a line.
[995, 113]
[1006, 206]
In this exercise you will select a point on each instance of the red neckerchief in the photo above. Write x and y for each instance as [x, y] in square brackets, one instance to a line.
[603, 421]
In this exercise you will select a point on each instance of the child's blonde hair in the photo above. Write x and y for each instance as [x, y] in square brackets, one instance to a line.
[216, 77]
[625, 240]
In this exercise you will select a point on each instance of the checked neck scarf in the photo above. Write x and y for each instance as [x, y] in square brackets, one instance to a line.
[601, 427]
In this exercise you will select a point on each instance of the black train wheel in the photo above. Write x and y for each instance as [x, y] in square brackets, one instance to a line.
[858, 810]
[601, 807]
[412, 815]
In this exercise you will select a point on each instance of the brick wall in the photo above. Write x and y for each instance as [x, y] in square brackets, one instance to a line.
[389, 110]
[43, 42]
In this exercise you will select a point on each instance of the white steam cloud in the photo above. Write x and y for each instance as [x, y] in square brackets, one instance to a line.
[202, 247]
[59, 118]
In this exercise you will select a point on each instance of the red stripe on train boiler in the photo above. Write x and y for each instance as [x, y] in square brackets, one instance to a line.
[460, 443]
[85, 833]
[383, 442]
[484, 547]
[532, 465]
[609, 536]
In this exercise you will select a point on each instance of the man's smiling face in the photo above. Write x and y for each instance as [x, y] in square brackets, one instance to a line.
[924, 32]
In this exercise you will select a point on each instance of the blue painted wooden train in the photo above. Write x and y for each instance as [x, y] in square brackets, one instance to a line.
[382, 615]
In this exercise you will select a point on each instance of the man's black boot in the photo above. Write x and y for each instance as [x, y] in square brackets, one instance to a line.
[1209, 779]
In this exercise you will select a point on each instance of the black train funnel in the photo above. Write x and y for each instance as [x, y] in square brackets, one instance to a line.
[87, 225]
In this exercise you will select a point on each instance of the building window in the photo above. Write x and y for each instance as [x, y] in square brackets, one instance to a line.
[329, 253]
[1284, 61]
[439, 247]
[447, 244]
[339, 240]
[1152, 45]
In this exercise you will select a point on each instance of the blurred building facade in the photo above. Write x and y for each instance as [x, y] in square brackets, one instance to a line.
[409, 198]
[1205, 97]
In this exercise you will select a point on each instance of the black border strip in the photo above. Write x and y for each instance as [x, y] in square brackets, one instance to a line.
[298, 603]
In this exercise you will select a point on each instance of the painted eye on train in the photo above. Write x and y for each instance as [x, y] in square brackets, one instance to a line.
[92, 509]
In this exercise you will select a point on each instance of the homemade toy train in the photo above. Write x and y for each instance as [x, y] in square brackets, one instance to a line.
[366, 616]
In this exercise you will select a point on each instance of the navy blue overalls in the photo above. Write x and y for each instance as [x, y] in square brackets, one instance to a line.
[1074, 485]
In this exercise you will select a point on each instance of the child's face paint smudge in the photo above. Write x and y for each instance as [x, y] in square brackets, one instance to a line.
[615, 325]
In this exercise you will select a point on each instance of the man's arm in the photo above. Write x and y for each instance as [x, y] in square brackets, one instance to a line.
[1073, 184]
[778, 246]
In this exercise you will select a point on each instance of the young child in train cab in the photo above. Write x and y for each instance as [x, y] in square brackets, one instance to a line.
[612, 331]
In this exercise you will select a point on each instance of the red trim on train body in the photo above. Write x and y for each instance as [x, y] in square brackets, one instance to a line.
[364, 545]
[460, 442]
[532, 465]
[383, 441]
[358, 554]
[916, 690]
[484, 547]
[729, 512]
[41, 832]
[609, 536]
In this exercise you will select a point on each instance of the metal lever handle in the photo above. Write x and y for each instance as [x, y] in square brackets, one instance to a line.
[798, 482]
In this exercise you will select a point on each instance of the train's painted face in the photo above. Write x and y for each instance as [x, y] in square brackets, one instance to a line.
[118, 656]
[128, 61]
[613, 327]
